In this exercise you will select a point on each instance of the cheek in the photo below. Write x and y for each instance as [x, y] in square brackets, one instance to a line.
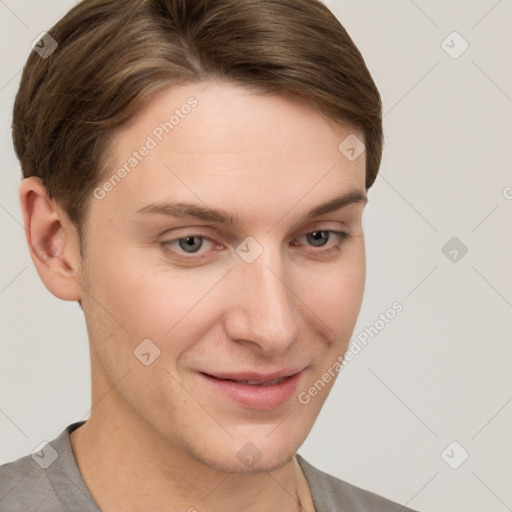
[336, 294]
[152, 301]
[130, 296]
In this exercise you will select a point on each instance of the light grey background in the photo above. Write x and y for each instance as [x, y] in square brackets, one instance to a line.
[440, 371]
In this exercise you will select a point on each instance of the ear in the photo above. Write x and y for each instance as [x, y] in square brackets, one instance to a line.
[52, 240]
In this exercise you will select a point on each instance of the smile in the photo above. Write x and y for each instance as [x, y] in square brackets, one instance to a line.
[255, 391]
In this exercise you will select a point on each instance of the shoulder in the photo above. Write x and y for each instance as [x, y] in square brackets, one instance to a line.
[333, 494]
[45, 481]
[25, 486]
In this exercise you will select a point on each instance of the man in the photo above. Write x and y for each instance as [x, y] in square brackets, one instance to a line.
[195, 175]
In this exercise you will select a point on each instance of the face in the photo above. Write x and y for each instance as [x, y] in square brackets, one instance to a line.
[209, 333]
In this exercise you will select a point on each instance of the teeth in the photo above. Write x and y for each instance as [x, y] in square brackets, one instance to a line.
[257, 383]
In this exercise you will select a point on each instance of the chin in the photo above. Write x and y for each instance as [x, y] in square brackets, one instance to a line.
[247, 457]
[267, 463]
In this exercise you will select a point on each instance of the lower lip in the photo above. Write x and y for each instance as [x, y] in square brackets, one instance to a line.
[257, 396]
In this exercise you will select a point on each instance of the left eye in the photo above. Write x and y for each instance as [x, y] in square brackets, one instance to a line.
[320, 236]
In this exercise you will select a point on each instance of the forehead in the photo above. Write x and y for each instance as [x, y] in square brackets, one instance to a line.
[220, 142]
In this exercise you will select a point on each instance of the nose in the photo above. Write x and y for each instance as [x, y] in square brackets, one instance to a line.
[263, 310]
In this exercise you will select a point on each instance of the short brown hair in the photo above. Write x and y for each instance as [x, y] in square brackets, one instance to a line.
[113, 55]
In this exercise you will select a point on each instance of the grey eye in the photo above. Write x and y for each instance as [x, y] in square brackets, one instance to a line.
[318, 237]
[190, 245]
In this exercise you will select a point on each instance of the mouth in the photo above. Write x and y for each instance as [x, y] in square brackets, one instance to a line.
[256, 378]
[257, 383]
[255, 390]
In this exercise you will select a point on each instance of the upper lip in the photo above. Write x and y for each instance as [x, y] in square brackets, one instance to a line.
[256, 376]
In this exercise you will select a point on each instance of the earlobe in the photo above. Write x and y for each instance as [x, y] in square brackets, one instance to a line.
[52, 241]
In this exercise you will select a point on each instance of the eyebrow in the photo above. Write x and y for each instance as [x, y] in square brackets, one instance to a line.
[197, 211]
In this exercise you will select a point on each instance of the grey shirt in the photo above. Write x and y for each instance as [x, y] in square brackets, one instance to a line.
[50, 481]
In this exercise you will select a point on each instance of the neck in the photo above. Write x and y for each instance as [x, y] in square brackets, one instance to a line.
[129, 467]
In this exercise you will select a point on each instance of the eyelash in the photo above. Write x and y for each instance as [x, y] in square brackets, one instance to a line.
[342, 236]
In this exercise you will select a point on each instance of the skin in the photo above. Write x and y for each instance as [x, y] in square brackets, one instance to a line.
[269, 159]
